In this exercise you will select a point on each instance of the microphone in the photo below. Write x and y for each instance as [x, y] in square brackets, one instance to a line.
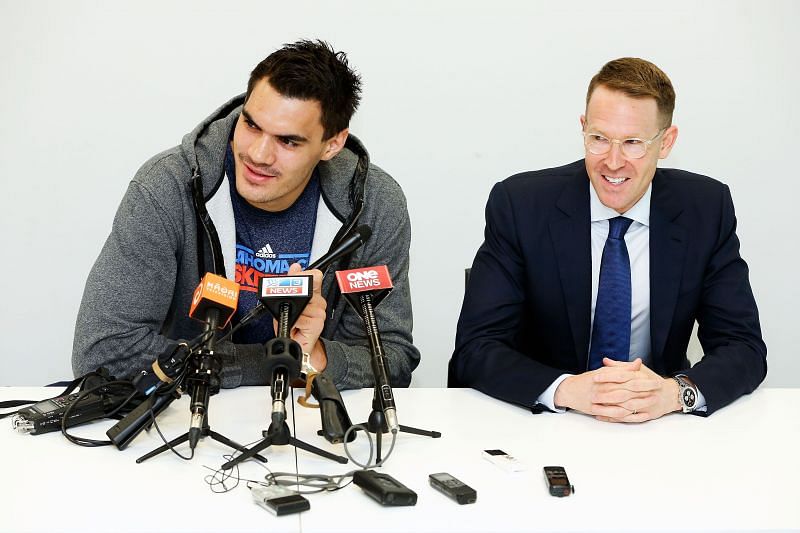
[365, 288]
[285, 297]
[350, 243]
[127, 429]
[215, 297]
[214, 302]
[166, 367]
[347, 245]
[213, 292]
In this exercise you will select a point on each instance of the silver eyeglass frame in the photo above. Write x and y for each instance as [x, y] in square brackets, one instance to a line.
[622, 143]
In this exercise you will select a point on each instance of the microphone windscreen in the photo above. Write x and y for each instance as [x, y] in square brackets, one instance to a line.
[365, 232]
[353, 240]
[215, 292]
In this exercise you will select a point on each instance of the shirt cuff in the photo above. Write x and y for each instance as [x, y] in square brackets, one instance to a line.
[701, 402]
[548, 397]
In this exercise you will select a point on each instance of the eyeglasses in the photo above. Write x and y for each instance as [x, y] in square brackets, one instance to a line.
[633, 148]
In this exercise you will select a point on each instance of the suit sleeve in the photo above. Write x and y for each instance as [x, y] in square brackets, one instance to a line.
[735, 360]
[486, 355]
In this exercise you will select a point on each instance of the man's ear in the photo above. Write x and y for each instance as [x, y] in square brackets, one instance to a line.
[334, 145]
[668, 141]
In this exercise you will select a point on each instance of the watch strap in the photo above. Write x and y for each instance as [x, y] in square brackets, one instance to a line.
[306, 369]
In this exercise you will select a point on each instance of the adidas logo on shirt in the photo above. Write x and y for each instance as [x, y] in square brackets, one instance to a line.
[266, 252]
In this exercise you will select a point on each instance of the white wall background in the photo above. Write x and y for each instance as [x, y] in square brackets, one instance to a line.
[458, 95]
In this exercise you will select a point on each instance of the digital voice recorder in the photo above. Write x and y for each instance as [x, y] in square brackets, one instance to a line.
[45, 416]
[557, 481]
[279, 500]
[452, 487]
[384, 489]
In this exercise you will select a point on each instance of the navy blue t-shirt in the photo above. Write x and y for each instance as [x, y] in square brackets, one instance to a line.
[267, 243]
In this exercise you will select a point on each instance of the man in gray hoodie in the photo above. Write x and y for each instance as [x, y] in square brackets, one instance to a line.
[264, 186]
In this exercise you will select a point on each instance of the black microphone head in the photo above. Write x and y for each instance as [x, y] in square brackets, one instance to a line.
[364, 231]
[342, 247]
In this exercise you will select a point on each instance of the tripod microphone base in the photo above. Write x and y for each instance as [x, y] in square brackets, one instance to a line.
[417, 431]
[376, 423]
[205, 432]
[278, 434]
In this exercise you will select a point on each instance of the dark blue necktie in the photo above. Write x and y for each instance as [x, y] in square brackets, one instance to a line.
[611, 332]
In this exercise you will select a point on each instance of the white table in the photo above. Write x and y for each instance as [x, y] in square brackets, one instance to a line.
[736, 470]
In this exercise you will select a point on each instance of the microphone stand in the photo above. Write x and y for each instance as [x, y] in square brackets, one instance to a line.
[202, 380]
[283, 362]
[167, 369]
[346, 245]
[377, 422]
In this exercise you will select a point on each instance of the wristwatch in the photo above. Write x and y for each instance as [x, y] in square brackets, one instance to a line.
[687, 395]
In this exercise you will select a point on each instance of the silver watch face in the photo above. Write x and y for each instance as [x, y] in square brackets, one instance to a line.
[689, 397]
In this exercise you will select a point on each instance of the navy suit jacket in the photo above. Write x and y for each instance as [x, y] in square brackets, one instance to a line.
[527, 308]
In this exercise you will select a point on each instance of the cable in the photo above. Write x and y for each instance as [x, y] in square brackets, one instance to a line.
[314, 483]
[170, 389]
[317, 482]
[294, 432]
[166, 443]
[371, 448]
[324, 482]
[259, 309]
[219, 477]
[197, 341]
[90, 443]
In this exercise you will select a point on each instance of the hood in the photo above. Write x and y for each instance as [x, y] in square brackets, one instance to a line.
[204, 146]
[204, 149]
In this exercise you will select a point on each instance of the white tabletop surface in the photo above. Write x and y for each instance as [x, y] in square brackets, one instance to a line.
[735, 470]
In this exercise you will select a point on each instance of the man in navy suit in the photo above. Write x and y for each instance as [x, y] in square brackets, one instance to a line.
[551, 323]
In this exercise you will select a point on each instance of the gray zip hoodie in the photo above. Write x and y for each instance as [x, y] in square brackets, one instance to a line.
[137, 296]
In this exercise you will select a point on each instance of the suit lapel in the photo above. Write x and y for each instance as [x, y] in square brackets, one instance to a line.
[668, 242]
[571, 237]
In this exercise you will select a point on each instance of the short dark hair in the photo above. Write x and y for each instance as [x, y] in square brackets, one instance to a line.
[637, 78]
[312, 70]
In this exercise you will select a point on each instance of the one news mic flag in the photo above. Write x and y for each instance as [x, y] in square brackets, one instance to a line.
[215, 293]
[365, 288]
[374, 280]
[348, 244]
